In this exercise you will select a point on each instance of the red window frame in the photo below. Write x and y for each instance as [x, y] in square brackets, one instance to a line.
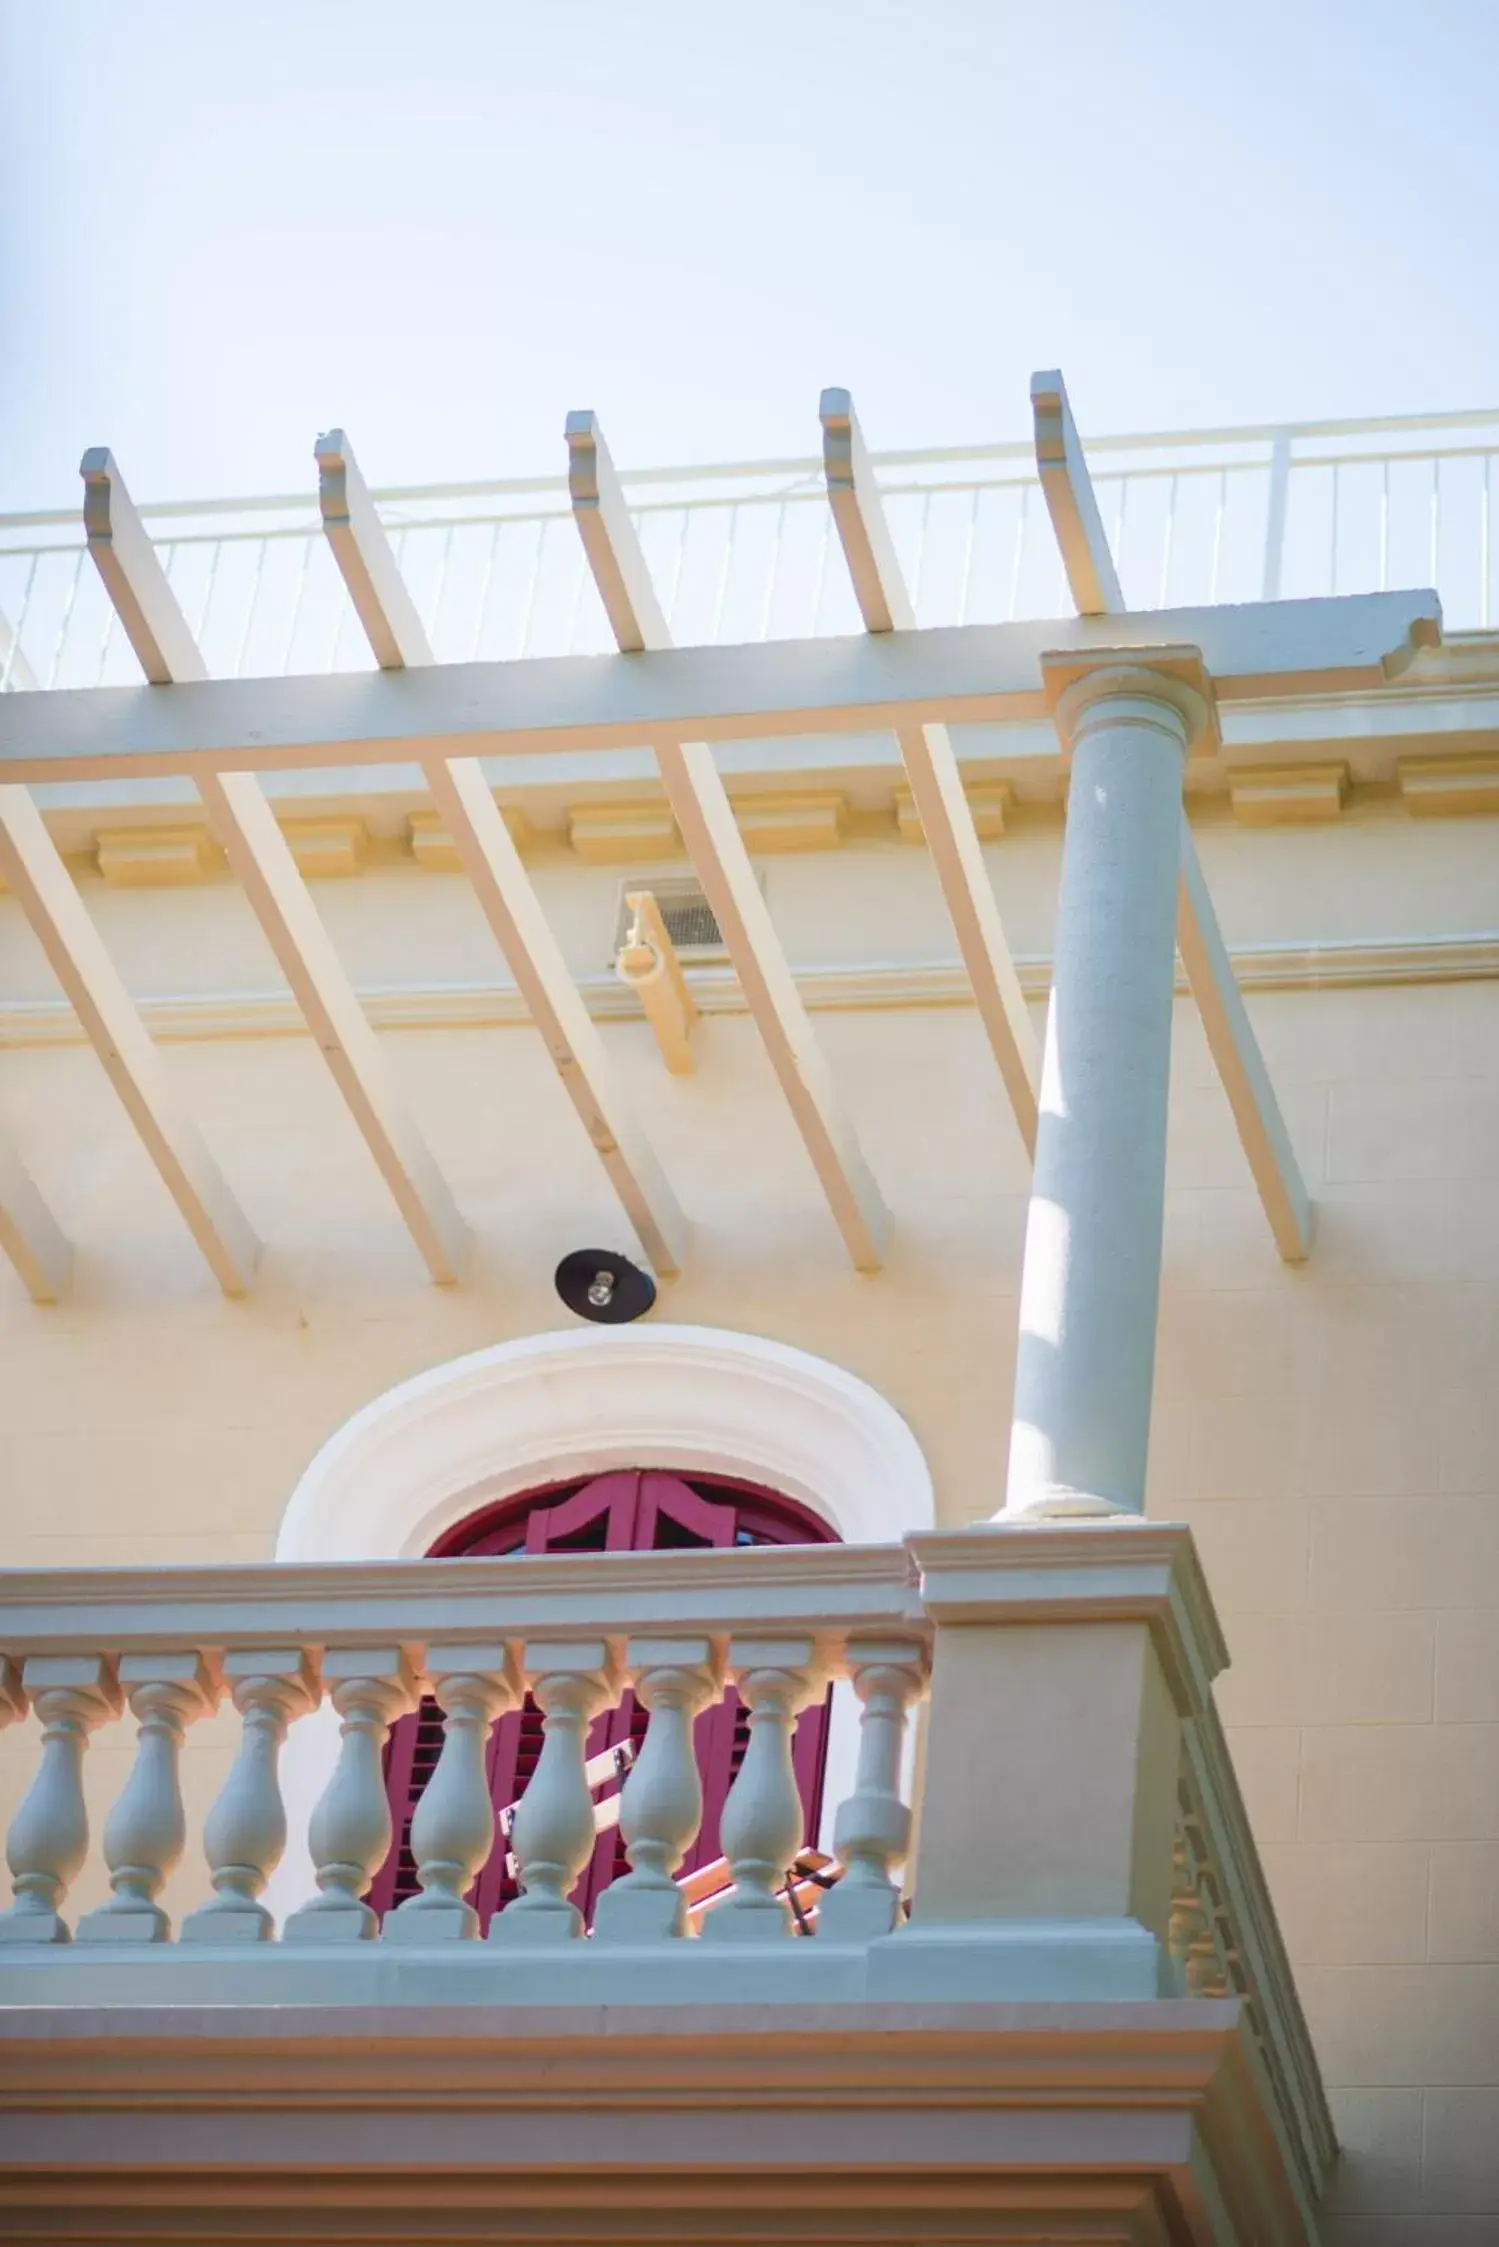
[628, 1510]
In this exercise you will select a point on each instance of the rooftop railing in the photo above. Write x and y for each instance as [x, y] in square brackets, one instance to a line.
[743, 552]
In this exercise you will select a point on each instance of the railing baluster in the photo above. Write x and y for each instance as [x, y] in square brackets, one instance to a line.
[484, 584]
[452, 1832]
[245, 1831]
[762, 1819]
[554, 1828]
[146, 1832]
[662, 1806]
[1485, 564]
[15, 654]
[965, 583]
[1170, 532]
[1019, 555]
[872, 1832]
[67, 618]
[1221, 511]
[48, 1839]
[351, 1827]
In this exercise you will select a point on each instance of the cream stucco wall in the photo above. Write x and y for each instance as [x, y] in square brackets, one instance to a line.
[1331, 1433]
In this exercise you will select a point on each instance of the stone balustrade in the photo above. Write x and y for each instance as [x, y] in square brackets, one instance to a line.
[1081, 1833]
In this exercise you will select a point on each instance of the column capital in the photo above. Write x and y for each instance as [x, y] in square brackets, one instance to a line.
[1080, 681]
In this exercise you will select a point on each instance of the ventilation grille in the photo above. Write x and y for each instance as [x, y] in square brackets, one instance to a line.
[688, 916]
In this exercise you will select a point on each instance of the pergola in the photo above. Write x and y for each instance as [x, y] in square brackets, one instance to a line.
[1132, 694]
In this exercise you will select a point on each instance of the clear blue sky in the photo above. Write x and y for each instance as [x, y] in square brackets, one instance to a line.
[444, 222]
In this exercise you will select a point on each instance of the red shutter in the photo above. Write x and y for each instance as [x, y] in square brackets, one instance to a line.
[634, 1510]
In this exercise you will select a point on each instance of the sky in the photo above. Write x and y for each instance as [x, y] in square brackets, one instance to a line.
[443, 223]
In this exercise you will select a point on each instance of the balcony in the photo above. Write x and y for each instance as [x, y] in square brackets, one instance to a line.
[1067, 2003]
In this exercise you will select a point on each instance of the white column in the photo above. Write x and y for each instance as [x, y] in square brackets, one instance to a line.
[554, 1828]
[761, 1825]
[452, 1833]
[663, 1797]
[350, 1833]
[872, 1832]
[48, 1839]
[245, 1831]
[1091, 1280]
[146, 1831]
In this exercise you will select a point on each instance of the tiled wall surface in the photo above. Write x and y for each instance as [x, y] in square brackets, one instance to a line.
[1332, 1434]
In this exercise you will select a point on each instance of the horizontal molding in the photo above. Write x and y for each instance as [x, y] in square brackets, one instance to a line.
[880, 984]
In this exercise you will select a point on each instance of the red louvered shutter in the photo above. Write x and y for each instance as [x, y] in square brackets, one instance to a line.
[638, 1510]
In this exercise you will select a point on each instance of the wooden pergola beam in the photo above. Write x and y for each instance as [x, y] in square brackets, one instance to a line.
[261, 859]
[964, 674]
[1096, 591]
[49, 897]
[489, 857]
[1068, 490]
[932, 767]
[29, 1234]
[701, 807]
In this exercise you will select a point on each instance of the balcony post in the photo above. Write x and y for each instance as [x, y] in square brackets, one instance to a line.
[761, 1826]
[663, 1798]
[1091, 1276]
[351, 1828]
[48, 1839]
[245, 1831]
[872, 1831]
[452, 1832]
[146, 1832]
[1068, 1659]
[554, 1830]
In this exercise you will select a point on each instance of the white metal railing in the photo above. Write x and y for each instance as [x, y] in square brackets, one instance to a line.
[742, 552]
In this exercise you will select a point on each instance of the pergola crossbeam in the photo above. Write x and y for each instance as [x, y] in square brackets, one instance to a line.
[701, 807]
[261, 859]
[963, 674]
[932, 767]
[493, 865]
[1096, 591]
[48, 895]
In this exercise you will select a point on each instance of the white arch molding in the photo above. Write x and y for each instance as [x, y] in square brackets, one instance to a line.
[546, 1407]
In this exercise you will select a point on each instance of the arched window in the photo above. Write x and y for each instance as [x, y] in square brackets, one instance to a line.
[633, 1510]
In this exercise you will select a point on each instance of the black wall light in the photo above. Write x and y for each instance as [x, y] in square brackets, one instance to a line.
[599, 1285]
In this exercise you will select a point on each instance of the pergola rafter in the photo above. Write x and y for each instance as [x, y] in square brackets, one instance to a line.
[30, 1235]
[700, 804]
[932, 767]
[261, 858]
[1094, 584]
[493, 865]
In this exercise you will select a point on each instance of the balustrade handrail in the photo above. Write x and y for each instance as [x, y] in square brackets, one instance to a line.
[829, 1588]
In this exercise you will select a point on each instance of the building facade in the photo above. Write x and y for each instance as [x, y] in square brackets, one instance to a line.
[289, 1176]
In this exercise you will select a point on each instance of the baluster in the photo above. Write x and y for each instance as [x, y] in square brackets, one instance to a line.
[245, 1831]
[453, 1830]
[762, 1819]
[873, 1828]
[146, 1832]
[350, 1832]
[662, 1806]
[12, 1693]
[554, 1829]
[48, 1839]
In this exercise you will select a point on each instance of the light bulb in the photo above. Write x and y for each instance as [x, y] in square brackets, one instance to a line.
[601, 1290]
